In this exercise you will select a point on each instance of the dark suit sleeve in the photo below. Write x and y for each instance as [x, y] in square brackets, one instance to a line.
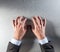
[12, 48]
[48, 47]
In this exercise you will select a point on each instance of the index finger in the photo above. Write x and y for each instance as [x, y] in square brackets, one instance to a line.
[34, 21]
[24, 21]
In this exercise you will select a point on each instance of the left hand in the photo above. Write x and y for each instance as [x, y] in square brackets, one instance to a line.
[19, 30]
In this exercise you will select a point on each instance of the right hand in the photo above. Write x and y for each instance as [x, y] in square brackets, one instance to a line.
[39, 27]
[19, 29]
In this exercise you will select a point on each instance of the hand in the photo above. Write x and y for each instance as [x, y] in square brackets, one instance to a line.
[39, 27]
[19, 29]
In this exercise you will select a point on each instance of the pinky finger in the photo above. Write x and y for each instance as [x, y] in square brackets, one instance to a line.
[44, 22]
[13, 22]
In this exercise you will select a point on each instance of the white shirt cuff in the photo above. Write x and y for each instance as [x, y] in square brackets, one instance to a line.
[43, 41]
[15, 42]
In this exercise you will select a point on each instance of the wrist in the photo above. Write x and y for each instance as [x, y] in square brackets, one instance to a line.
[41, 37]
[17, 36]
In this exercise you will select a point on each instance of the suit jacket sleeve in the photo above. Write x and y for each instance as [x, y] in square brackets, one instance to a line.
[44, 48]
[48, 47]
[12, 48]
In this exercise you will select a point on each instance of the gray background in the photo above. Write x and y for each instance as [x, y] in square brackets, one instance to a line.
[10, 9]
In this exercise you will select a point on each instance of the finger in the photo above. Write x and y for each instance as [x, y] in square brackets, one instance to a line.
[24, 21]
[17, 20]
[37, 19]
[19, 23]
[34, 21]
[13, 22]
[44, 22]
[40, 20]
[21, 18]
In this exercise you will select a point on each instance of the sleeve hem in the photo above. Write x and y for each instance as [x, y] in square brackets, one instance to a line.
[15, 42]
[43, 41]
